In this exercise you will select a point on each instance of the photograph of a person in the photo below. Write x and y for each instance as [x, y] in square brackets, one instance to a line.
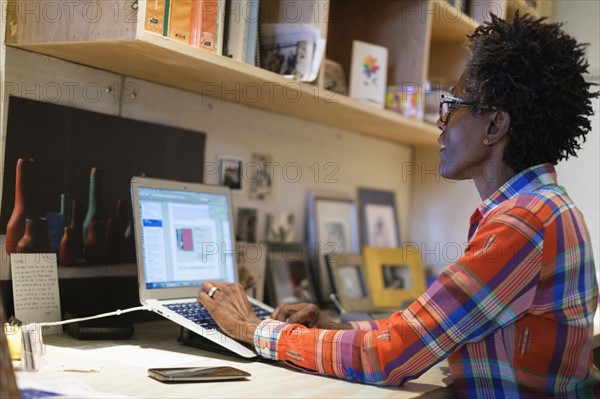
[381, 230]
[337, 234]
[396, 277]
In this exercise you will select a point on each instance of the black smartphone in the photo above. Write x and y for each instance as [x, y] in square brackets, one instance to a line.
[197, 374]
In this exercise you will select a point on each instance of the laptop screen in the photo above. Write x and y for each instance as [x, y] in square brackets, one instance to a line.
[185, 237]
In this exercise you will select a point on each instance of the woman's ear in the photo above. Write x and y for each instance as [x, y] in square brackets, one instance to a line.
[498, 127]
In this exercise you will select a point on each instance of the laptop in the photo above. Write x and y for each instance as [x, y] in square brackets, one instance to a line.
[184, 237]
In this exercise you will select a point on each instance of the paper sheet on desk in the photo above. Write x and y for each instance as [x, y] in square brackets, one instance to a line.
[132, 355]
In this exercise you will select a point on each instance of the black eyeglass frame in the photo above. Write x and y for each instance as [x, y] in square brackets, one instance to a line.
[455, 102]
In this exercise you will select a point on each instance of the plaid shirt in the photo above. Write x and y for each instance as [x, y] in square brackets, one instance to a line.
[513, 315]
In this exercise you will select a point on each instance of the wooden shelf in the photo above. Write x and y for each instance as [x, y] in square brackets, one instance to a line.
[449, 25]
[165, 61]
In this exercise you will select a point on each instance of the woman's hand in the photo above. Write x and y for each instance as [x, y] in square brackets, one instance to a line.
[308, 315]
[230, 309]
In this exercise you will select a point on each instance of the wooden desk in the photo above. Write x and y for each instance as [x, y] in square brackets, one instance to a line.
[124, 365]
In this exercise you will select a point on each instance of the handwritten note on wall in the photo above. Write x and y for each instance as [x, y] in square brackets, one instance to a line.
[35, 287]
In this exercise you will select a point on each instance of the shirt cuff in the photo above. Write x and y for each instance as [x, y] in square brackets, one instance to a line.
[364, 325]
[266, 336]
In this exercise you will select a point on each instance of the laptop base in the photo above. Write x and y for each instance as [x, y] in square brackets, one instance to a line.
[190, 338]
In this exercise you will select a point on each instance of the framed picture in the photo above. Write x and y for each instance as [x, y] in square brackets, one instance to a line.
[395, 275]
[230, 172]
[279, 227]
[247, 219]
[288, 274]
[251, 261]
[258, 174]
[379, 218]
[350, 281]
[332, 229]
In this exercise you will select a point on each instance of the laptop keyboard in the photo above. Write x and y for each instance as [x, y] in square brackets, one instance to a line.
[199, 315]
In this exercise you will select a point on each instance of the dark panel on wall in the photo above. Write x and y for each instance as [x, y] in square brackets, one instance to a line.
[66, 142]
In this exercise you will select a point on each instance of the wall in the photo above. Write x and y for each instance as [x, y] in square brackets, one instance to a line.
[441, 209]
[231, 129]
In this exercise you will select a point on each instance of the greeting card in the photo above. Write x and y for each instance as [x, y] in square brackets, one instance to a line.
[368, 73]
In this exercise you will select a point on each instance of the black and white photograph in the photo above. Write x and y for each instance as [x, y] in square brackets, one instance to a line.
[230, 172]
[332, 229]
[337, 234]
[279, 227]
[258, 174]
[247, 219]
[379, 218]
[351, 280]
[350, 283]
[397, 276]
[381, 231]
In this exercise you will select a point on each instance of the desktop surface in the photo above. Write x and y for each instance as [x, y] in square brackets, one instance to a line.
[124, 364]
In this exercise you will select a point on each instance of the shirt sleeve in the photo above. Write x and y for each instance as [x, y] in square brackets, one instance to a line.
[491, 286]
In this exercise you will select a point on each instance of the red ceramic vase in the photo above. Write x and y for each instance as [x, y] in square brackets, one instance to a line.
[94, 247]
[70, 248]
[35, 238]
[15, 227]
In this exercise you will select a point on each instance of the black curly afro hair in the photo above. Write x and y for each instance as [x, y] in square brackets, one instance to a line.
[534, 71]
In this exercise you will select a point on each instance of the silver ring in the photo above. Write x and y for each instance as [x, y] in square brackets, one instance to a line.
[212, 291]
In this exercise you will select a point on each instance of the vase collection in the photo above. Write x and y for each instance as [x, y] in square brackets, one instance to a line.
[94, 239]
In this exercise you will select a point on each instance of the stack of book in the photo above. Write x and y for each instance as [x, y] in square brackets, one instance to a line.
[199, 23]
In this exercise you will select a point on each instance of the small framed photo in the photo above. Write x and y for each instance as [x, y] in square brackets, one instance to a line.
[332, 228]
[251, 261]
[379, 218]
[247, 219]
[288, 274]
[258, 175]
[395, 276]
[230, 172]
[280, 227]
[350, 282]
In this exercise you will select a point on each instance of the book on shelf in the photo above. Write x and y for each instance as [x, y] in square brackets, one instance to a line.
[179, 20]
[157, 15]
[195, 22]
[206, 25]
[241, 30]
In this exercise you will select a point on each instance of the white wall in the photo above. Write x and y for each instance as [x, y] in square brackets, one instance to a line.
[441, 209]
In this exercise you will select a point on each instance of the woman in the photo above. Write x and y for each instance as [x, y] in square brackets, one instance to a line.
[514, 314]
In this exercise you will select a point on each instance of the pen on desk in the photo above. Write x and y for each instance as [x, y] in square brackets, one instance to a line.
[337, 303]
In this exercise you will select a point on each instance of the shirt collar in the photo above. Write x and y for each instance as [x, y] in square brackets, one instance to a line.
[526, 181]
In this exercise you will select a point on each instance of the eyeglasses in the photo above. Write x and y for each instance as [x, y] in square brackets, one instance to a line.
[449, 104]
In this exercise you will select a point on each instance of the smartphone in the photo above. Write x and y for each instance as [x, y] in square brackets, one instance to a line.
[197, 374]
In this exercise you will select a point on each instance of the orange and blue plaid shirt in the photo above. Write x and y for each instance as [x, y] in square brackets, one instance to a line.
[514, 315]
